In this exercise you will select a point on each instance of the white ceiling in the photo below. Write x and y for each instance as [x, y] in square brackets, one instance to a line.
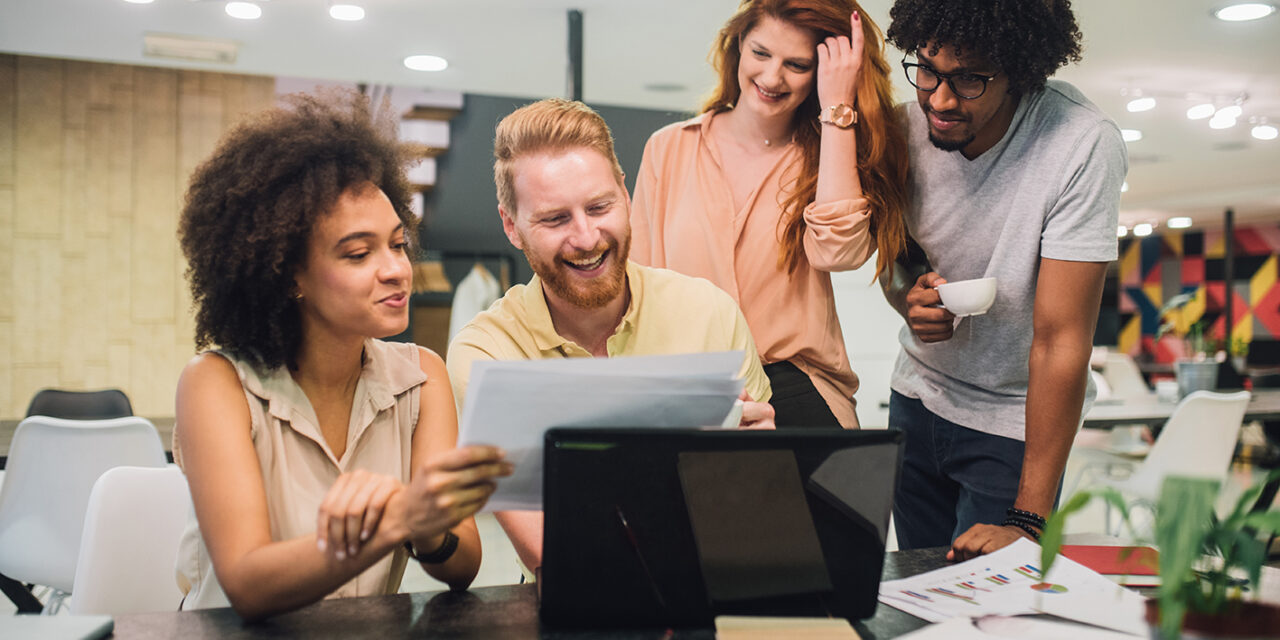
[518, 48]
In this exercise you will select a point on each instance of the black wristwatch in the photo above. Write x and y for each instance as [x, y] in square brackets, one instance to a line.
[441, 554]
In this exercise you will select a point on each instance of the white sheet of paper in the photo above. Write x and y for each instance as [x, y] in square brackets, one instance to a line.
[1008, 582]
[512, 404]
[1003, 627]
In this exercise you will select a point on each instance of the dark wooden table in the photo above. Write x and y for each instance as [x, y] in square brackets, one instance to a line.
[487, 612]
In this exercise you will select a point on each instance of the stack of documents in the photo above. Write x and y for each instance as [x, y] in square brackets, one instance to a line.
[512, 404]
[1009, 582]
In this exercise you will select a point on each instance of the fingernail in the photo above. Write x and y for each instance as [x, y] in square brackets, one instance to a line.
[340, 554]
[320, 544]
[364, 535]
[351, 550]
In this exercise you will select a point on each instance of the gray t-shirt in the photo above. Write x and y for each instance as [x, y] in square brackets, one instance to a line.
[1050, 188]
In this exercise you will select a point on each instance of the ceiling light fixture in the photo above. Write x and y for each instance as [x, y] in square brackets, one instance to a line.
[244, 10]
[1222, 122]
[1231, 111]
[1142, 229]
[426, 63]
[1131, 135]
[139, 1]
[346, 11]
[1180, 222]
[1136, 105]
[1264, 131]
[1201, 111]
[1243, 11]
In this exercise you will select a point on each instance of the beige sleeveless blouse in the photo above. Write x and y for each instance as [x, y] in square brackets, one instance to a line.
[298, 467]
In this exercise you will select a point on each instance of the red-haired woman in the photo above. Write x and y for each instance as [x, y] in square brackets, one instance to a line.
[795, 168]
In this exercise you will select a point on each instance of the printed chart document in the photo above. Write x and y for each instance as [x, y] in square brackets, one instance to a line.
[512, 404]
[1005, 627]
[1009, 583]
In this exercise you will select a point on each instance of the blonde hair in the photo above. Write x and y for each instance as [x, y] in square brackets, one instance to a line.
[553, 124]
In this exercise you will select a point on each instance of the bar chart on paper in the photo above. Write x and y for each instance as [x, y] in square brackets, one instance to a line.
[1007, 582]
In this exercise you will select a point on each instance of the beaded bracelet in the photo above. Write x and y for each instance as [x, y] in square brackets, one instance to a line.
[1010, 522]
[1033, 519]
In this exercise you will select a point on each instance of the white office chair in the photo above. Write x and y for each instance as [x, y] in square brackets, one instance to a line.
[135, 519]
[1197, 441]
[1123, 376]
[52, 466]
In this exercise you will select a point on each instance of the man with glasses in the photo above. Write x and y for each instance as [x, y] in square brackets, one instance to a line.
[1013, 177]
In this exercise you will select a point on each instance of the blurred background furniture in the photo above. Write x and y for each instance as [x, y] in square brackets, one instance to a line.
[80, 405]
[1198, 441]
[53, 464]
[132, 526]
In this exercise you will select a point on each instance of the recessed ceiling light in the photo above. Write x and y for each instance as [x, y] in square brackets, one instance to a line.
[1244, 11]
[346, 11]
[426, 63]
[1221, 122]
[1264, 132]
[1141, 104]
[1180, 222]
[1201, 111]
[244, 10]
[1230, 111]
[1122, 231]
[1131, 135]
[1142, 229]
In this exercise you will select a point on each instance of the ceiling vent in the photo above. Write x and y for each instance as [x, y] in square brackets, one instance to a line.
[163, 45]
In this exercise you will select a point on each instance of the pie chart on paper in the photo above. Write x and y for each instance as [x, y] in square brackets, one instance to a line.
[1047, 587]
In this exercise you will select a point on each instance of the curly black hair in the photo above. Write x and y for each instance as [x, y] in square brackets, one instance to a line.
[250, 209]
[1027, 39]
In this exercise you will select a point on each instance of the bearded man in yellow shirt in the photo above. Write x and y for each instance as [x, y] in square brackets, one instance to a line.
[563, 203]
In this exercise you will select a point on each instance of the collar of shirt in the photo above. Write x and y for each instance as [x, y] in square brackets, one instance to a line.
[552, 344]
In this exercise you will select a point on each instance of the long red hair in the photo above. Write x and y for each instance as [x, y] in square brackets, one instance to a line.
[882, 145]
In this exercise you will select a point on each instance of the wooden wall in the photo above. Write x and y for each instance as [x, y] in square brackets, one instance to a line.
[94, 160]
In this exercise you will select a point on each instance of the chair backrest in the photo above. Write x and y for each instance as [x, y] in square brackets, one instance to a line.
[1124, 377]
[80, 405]
[135, 519]
[52, 466]
[1198, 440]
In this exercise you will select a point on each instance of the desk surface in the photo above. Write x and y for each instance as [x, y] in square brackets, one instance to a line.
[487, 612]
[1263, 405]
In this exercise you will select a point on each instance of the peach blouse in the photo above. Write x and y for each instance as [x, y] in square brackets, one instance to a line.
[298, 467]
[682, 218]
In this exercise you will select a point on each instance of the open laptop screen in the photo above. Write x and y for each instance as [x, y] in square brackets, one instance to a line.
[673, 527]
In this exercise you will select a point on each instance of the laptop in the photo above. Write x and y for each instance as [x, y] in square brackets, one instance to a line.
[673, 527]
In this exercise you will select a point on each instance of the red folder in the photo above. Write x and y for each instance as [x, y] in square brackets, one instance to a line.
[1131, 561]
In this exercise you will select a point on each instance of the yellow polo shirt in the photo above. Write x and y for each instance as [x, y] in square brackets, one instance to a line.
[669, 313]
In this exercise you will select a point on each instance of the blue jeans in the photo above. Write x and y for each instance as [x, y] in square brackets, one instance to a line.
[952, 477]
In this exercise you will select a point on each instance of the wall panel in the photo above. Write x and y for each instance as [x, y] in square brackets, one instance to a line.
[94, 159]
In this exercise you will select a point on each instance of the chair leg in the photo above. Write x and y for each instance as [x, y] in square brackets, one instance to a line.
[20, 595]
[57, 599]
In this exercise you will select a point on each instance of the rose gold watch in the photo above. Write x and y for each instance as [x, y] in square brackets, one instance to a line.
[841, 115]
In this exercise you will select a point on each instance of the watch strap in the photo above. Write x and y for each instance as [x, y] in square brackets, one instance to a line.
[441, 554]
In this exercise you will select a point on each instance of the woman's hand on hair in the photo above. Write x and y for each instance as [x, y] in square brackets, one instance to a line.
[839, 63]
[352, 510]
[452, 487]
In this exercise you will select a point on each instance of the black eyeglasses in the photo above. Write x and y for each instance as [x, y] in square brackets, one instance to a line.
[969, 86]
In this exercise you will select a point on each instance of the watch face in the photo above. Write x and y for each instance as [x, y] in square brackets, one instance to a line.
[842, 115]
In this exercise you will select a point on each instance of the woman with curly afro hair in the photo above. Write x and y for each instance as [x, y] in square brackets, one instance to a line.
[796, 168]
[1016, 178]
[319, 457]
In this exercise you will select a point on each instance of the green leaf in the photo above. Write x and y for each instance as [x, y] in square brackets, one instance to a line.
[1051, 536]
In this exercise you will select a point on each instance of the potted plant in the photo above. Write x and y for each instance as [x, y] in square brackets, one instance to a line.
[1205, 562]
[1197, 367]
